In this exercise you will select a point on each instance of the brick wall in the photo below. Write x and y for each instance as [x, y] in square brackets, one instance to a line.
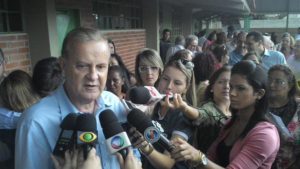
[128, 43]
[16, 51]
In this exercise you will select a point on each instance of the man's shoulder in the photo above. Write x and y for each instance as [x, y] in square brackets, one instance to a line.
[42, 109]
[109, 97]
[274, 53]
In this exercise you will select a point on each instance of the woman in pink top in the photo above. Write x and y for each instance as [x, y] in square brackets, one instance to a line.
[248, 140]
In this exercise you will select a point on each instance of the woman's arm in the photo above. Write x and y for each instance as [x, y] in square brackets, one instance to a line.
[178, 103]
[185, 152]
[260, 146]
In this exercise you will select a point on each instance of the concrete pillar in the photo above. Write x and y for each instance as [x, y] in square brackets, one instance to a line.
[40, 24]
[151, 23]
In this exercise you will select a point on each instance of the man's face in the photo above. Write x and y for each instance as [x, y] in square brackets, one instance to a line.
[86, 71]
[241, 40]
[166, 36]
[192, 46]
[252, 45]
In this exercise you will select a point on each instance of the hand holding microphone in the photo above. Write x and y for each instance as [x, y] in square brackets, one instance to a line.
[177, 103]
[147, 95]
[138, 141]
[151, 130]
[74, 160]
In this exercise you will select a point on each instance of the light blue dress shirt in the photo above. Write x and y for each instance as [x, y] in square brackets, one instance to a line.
[38, 130]
[8, 118]
[271, 58]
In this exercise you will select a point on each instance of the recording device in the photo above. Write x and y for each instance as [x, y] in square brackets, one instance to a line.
[146, 95]
[116, 138]
[86, 127]
[153, 132]
[67, 137]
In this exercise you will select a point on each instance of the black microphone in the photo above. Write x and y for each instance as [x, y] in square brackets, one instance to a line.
[87, 132]
[116, 138]
[151, 129]
[67, 137]
[146, 95]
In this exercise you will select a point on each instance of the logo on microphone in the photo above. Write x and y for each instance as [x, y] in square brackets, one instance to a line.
[87, 137]
[117, 142]
[152, 134]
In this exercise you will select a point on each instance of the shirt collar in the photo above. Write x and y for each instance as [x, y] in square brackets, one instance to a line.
[266, 53]
[66, 106]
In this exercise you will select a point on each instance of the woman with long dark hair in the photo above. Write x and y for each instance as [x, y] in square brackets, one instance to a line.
[248, 140]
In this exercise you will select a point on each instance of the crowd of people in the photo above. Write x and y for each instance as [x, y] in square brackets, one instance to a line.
[232, 101]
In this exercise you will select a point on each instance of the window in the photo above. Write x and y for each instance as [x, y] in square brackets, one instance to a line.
[118, 14]
[10, 16]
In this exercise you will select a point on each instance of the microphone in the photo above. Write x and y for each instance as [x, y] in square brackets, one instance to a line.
[67, 136]
[145, 95]
[116, 138]
[152, 130]
[87, 132]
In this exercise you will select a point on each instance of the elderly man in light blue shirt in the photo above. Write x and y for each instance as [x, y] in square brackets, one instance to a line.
[268, 58]
[85, 60]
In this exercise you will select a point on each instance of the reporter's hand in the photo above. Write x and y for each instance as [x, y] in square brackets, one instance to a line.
[184, 151]
[177, 102]
[137, 139]
[92, 162]
[131, 162]
[69, 161]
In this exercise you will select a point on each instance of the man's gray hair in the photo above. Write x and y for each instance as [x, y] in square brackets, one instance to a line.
[189, 39]
[80, 35]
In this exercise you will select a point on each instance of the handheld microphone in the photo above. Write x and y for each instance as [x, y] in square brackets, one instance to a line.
[116, 138]
[67, 136]
[145, 95]
[151, 129]
[87, 132]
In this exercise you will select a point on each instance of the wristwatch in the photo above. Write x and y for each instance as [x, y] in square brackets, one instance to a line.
[202, 161]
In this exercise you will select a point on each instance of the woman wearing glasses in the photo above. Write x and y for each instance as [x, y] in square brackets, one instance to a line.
[148, 67]
[248, 140]
[282, 100]
[177, 79]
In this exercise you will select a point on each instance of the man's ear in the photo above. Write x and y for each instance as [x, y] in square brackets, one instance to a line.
[260, 93]
[62, 61]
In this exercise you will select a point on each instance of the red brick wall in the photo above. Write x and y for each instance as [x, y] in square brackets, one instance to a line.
[16, 51]
[128, 43]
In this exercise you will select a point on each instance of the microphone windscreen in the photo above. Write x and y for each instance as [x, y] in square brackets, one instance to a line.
[109, 123]
[86, 122]
[139, 95]
[139, 120]
[69, 122]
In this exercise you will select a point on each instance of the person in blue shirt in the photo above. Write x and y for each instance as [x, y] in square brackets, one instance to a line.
[17, 94]
[267, 58]
[84, 61]
[237, 54]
